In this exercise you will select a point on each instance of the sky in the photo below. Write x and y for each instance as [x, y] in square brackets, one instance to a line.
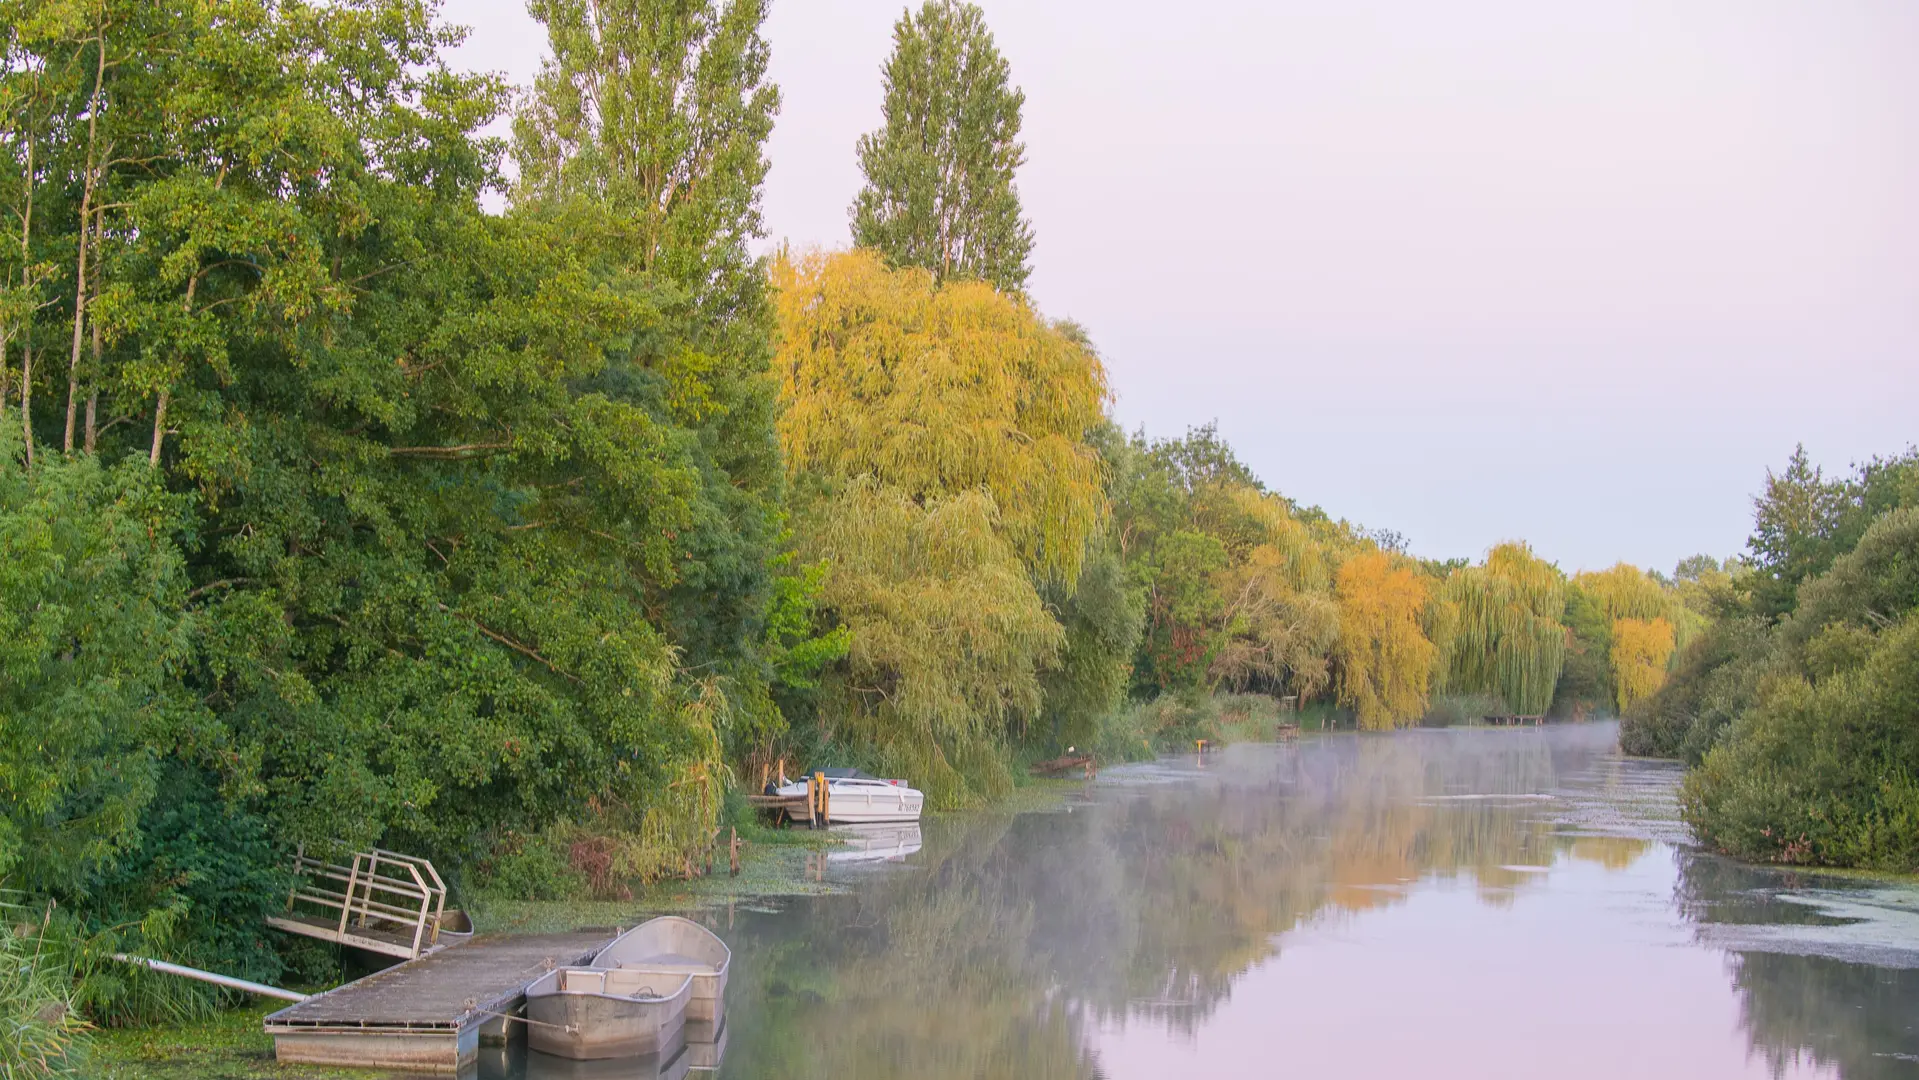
[1576, 273]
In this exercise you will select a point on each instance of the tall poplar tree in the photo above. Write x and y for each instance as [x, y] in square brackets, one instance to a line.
[939, 171]
[647, 126]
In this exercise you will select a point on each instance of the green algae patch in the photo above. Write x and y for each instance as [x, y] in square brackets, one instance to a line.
[231, 1045]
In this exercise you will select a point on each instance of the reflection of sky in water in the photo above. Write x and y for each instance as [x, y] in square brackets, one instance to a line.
[1591, 965]
[1429, 904]
[1586, 974]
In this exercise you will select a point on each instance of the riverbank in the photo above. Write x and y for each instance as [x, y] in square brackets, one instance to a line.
[775, 865]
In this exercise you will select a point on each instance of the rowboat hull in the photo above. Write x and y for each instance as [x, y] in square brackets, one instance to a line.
[671, 946]
[588, 1014]
[673, 1063]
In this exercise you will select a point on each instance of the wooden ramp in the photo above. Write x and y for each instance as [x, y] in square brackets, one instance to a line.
[382, 901]
[426, 1014]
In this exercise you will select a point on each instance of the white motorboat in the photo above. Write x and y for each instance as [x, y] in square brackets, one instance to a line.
[670, 946]
[592, 1013]
[855, 798]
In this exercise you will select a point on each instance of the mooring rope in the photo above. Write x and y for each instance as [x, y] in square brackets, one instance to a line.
[473, 1006]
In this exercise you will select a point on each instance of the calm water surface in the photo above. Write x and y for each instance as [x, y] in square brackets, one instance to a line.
[1435, 904]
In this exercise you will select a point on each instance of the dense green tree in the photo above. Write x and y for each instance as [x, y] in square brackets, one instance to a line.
[660, 109]
[644, 135]
[1805, 520]
[93, 638]
[1586, 678]
[939, 190]
[400, 522]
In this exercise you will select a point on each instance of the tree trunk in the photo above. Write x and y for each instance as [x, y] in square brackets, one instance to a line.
[160, 407]
[26, 393]
[26, 280]
[86, 213]
[159, 429]
[93, 396]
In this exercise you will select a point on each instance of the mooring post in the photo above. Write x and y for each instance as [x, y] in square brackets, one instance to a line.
[733, 851]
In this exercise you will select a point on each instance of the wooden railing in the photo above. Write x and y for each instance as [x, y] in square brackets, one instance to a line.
[382, 900]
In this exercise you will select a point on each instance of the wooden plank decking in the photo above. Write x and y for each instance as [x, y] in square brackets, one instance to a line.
[426, 1014]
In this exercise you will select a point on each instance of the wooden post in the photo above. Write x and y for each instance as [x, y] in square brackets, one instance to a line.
[826, 796]
[733, 851]
[352, 882]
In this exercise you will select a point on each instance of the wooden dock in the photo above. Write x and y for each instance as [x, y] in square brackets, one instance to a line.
[1510, 720]
[427, 1014]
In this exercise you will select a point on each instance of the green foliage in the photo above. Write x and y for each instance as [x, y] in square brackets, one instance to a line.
[1102, 619]
[92, 641]
[1183, 602]
[196, 890]
[1510, 641]
[1822, 772]
[1806, 520]
[1713, 682]
[1586, 679]
[42, 1027]
[1809, 750]
[939, 191]
[376, 518]
[530, 867]
[660, 110]
[948, 636]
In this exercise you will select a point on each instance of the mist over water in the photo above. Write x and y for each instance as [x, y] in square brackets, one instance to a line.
[1469, 903]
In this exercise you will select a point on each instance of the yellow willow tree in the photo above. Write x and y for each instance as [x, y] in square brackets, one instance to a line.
[1280, 623]
[948, 634]
[1626, 593]
[1641, 649]
[1508, 639]
[1385, 659]
[937, 439]
[934, 390]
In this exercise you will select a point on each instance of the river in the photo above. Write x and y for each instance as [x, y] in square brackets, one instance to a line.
[1455, 903]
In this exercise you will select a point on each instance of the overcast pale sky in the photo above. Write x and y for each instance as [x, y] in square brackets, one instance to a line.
[1575, 272]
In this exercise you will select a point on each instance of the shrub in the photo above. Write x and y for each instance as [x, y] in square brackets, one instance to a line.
[1821, 772]
[1451, 710]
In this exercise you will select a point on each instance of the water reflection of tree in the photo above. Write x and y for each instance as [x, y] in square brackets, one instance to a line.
[1020, 931]
[1856, 1018]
